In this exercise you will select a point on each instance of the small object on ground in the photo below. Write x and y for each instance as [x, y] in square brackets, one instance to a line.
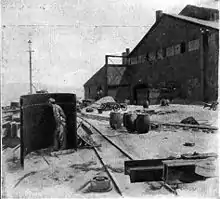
[207, 168]
[189, 120]
[212, 106]
[63, 152]
[208, 131]
[127, 101]
[186, 128]
[171, 157]
[86, 103]
[89, 110]
[99, 110]
[191, 144]
[146, 104]
[100, 184]
[196, 155]
[195, 129]
[164, 102]
[78, 109]
[154, 126]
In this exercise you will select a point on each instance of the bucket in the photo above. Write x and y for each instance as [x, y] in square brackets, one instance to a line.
[115, 120]
[100, 184]
[142, 123]
[129, 121]
[99, 110]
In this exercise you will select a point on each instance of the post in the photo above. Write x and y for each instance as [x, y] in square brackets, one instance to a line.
[106, 75]
[21, 135]
[203, 62]
[202, 65]
[30, 65]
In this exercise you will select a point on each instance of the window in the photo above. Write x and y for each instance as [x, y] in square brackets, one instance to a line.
[160, 54]
[177, 49]
[147, 57]
[134, 60]
[193, 45]
[141, 59]
[170, 51]
[211, 38]
[152, 56]
[182, 47]
[144, 58]
[164, 52]
[129, 61]
[89, 90]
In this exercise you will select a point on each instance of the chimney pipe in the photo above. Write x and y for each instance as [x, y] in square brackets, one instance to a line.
[159, 14]
[127, 51]
[124, 58]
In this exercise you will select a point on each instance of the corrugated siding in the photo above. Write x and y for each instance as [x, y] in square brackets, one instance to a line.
[115, 75]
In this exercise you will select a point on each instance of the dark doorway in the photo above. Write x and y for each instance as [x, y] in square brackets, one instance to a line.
[141, 94]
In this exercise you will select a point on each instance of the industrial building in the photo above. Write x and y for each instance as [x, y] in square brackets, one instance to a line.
[179, 50]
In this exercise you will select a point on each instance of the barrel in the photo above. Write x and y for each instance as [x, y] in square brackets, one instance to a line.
[142, 123]
[115, 120]
[129, 121]
[14, 129]
[38, 123]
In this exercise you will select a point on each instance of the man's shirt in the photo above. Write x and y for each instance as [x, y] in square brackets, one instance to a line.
[59, 115]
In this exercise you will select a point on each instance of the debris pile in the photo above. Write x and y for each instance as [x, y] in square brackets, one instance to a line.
[189, 120]
[97, 104]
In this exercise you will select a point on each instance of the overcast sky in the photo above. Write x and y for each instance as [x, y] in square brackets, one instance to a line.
[71, 37]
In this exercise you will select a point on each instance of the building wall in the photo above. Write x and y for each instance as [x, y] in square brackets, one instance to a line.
[97, 80]
[183, 67]
[211, 73]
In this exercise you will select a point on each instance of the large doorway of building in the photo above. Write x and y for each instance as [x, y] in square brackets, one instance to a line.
[141, 94]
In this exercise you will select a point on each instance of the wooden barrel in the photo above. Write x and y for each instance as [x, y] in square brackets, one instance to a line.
[14, 129]
[124, 118]
[115, 120]
[142, 123]
[129, 121]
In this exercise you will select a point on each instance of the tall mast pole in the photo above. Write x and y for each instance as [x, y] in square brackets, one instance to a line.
[30, 65]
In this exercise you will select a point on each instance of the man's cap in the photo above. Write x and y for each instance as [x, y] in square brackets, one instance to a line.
[51, 100]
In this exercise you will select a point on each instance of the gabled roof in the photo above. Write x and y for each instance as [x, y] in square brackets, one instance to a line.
[204, 23]
[93, 77]
[208, 24]
[203, 13]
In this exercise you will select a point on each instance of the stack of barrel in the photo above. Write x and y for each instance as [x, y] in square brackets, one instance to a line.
[12, 129]
[132, 121]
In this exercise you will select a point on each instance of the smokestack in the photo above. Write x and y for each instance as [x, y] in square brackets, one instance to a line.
[127, 51]
[159, 14]
[124, 59]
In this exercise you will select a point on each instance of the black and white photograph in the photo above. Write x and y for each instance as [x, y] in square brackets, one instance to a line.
[109, 99]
